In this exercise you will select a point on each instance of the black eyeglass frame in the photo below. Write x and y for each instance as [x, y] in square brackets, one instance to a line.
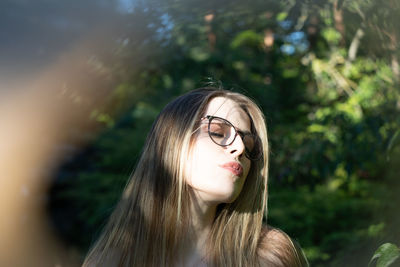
[257, 141]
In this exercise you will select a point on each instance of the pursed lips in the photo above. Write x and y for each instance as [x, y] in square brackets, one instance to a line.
[235, 167]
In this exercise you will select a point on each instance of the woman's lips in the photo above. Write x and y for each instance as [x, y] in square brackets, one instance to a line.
[235, 167]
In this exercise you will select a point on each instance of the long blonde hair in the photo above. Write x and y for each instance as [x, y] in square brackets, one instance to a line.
[152, 215]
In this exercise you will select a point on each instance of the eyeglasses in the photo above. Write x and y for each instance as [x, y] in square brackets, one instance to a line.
[223, 133]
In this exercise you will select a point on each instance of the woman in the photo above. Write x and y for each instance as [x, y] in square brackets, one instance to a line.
[199, 191]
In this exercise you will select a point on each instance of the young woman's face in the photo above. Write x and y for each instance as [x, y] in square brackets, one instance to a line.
[215, 173]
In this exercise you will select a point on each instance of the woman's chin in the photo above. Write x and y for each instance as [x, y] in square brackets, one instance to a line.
[227, 197]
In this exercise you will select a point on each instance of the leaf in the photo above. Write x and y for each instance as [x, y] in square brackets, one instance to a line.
[199, 54]
[248, 37]
[386, 255]
[392, 140]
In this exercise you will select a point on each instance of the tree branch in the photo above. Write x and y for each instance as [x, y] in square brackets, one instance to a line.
[355, 43]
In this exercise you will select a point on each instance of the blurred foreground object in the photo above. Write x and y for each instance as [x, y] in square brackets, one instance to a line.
[36, 122]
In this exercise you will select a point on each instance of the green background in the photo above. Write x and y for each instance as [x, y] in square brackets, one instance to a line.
[326, 75]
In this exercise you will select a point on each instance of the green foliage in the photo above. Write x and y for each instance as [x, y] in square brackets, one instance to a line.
[333, 121]
[247, 38]
[321, 209]
[386, 254]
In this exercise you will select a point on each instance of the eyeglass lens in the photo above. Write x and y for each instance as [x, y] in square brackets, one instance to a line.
[223, 133]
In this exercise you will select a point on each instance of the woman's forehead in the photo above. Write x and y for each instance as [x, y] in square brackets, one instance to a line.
[228, 109]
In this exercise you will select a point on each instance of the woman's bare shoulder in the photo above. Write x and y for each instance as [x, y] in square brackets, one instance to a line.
[273, 240]
[276, 248]
[269, 233]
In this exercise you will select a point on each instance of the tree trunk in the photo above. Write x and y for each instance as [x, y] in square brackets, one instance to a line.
[339, 25]
[212, 38]
[355, 43]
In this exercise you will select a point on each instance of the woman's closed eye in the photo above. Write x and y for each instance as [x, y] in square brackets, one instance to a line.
[217, 134]
[217, 130]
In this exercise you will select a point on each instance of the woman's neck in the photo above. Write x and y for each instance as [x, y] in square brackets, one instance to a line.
[201, 220]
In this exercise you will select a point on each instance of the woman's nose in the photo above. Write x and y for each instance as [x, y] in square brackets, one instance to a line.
[237, 147]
